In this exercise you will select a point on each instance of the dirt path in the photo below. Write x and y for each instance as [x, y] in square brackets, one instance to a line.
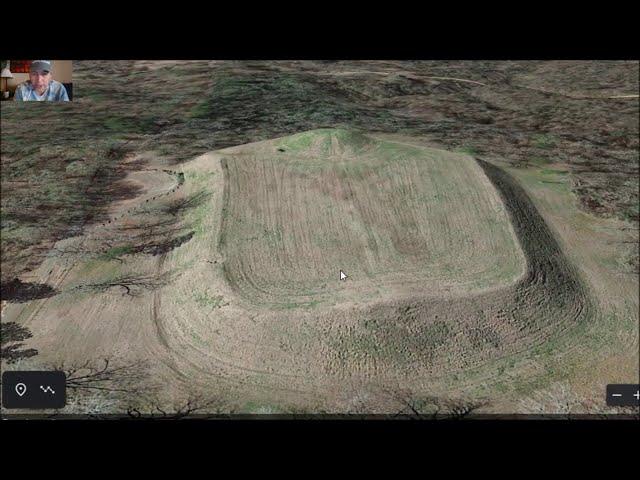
[415, 76]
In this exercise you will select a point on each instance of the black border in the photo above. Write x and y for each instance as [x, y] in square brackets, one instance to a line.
[402, 442]
[463, 32]
[536, 32]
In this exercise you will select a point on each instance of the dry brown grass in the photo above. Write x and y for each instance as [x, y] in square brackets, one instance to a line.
[300, 209]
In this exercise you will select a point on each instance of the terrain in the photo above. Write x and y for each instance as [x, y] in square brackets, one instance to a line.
[486, 215]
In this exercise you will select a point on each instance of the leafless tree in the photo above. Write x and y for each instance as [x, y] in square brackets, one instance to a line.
[418, 406]
[105, 388]
[133, 285]
[105, 376]
[193, 405]
[100, 388]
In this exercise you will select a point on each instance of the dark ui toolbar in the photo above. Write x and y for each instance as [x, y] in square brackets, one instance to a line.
[34, 389]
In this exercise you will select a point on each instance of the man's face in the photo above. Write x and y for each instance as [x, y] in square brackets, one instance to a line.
[40, 80]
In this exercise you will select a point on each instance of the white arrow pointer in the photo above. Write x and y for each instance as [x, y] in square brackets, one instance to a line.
[343, 276]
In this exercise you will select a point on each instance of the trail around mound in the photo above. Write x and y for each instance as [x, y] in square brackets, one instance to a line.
[450, 268]
[406, 337]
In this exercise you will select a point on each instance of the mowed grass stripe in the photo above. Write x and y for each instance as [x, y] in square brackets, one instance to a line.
[375, 209]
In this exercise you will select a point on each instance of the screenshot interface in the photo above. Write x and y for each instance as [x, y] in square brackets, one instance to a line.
[423, 239]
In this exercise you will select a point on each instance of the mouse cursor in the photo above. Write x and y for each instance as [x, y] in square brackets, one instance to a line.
[343, 276]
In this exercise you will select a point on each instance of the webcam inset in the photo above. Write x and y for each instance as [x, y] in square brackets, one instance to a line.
[37, 80]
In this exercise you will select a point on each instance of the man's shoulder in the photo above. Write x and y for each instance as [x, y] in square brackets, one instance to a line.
[24, 86]
[57, 87]
[23, 90]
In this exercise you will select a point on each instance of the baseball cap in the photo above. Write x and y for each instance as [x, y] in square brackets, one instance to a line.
[40, 65]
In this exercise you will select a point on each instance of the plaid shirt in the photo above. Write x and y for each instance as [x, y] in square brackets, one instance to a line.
[55, 93]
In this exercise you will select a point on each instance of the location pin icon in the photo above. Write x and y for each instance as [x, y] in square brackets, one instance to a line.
[21, 389]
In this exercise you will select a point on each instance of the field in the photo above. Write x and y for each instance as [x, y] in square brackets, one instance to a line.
[192, 266]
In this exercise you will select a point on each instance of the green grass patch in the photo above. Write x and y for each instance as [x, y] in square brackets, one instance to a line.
[538, 160]
[260, 408]
[282, 103]
[293, 305]
[550, 171]
[205, 299]
[117, 252]
[467, 150]
[544, 141]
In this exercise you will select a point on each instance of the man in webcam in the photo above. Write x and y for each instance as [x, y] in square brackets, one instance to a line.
[41, 87]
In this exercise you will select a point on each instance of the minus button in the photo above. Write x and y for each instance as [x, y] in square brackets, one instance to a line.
[623, 395]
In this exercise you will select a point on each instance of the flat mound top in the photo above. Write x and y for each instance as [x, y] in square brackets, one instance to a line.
[325, 143]
[396, 218]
